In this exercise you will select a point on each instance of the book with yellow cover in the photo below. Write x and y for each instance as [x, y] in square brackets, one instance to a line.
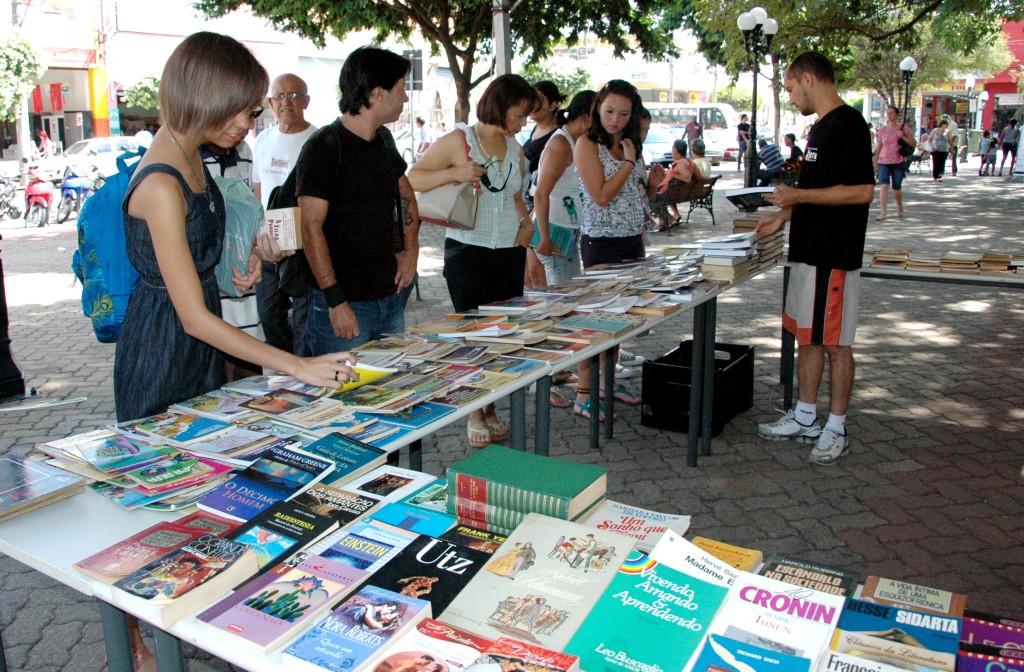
[746, 559]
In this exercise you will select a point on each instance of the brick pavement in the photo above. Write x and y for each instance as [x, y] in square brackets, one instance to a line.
[931, 491]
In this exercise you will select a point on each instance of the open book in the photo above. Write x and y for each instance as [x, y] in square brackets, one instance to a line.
[749, 199]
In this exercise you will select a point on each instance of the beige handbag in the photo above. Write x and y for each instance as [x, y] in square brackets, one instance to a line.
[452, 205]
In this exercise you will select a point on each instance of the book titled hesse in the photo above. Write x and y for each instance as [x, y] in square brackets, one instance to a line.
[501, 477]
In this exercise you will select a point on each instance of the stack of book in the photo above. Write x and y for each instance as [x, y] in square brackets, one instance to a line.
[769, 249]
[729, 258]
[995, 263]
[964, 263]
[745, 223]
[27, 484]
[923, 262]
[495, 488]
[891, 258]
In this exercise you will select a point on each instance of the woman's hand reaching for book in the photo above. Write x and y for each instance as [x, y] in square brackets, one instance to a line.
[333, 370]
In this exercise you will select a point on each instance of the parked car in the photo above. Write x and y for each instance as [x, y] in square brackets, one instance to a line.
[99, 152]
[403, 140]
[658, 145]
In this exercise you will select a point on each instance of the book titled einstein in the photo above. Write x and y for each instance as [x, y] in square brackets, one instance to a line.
[279, 474]
[352, 635]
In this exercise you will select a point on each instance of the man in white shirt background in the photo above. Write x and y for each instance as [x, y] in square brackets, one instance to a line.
[277, 149]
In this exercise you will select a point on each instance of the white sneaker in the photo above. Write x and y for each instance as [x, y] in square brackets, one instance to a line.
[622, 372]
[830, 447]
[787, 427]
[627, 358]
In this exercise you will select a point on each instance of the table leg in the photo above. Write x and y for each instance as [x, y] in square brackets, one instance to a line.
[595, 402]
[696, 384]
[416, 455]
[3, 654]
[517, 400]
[707, 402]
[115, 638]
[168, 652]
[609, 393]
[542, 431]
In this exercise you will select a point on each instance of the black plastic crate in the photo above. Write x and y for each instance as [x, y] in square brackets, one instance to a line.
[666, 388]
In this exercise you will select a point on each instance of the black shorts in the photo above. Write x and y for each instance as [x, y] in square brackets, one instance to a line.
[611, 250]
[1010, 148]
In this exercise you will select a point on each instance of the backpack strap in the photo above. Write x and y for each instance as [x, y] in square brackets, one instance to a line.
[158, 168]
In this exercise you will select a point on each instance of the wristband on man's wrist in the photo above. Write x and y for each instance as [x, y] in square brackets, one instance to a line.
[334, 295]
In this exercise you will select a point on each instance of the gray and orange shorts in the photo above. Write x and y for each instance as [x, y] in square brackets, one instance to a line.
[821, 305]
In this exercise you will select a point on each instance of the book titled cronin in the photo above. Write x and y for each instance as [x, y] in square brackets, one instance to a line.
[266, 611]
[185, 579]
[352, 635]
[277, 475]
[777, 616]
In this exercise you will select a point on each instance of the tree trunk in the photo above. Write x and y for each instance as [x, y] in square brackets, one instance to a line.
[462, 90]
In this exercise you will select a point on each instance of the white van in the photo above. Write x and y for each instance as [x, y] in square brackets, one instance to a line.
[718, 119]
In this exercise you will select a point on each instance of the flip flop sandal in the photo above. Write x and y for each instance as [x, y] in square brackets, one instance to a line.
[498, 429]
[623, 394]
[582, 409]
[479, 437]
[558, 401]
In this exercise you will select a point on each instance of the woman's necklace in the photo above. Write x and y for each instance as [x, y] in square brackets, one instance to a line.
[195, 175]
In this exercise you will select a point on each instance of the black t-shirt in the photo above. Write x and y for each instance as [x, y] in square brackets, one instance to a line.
[359, 180]
[795, 153]
[533, 148]
[838, 153]
[742, 128]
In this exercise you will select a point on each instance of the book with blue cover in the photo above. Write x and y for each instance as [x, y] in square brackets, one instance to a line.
[723, 654]
[353, 634]
[414, 518]
[414, 417]
[364, 545]
[351, 456]
[278, 474]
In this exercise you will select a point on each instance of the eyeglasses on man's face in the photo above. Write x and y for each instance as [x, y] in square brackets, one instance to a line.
[292, 96]
[253, 114]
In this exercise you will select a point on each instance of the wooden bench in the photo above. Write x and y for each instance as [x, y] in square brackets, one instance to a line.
[698, 193]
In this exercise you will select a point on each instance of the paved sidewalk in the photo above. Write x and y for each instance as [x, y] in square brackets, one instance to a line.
[930, 492]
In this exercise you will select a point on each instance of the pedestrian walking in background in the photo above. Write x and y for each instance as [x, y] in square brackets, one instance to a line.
[892, 166]
[940, 149]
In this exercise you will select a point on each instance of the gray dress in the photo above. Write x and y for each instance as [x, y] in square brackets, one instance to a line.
[156, 363]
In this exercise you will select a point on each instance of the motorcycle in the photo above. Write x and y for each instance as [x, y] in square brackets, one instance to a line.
[7, 192]
[39, 198]
[75, 189]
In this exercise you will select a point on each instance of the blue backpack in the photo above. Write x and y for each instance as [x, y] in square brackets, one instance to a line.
[101, 262]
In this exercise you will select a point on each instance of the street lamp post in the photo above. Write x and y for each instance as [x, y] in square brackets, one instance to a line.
[908, 66]
[758, 31]
[982, 99]
[969, 84]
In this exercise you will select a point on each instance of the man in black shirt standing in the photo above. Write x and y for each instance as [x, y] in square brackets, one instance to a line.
[360, 225]
[742, 137]
[828, 211]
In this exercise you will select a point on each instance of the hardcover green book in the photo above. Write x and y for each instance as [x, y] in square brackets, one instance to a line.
[666, 605]
[510, 479]
[615, 328]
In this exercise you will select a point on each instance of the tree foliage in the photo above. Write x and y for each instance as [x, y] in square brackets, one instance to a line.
[143, 93]
[20, 66]
[462, 30]
[569, 82]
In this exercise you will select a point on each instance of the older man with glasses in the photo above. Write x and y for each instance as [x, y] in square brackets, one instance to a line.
[277, 150]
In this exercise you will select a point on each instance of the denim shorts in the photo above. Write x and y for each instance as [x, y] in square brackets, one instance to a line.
[375, 318]
[892, 172]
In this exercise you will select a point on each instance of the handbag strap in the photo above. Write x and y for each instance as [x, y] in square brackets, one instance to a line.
[465, 145]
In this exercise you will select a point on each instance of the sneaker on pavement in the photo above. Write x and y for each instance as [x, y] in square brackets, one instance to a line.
[787, 427]
[627, 358]
[622, 372]
[830, 447]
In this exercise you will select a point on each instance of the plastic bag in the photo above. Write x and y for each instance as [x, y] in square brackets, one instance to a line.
[244, 214]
